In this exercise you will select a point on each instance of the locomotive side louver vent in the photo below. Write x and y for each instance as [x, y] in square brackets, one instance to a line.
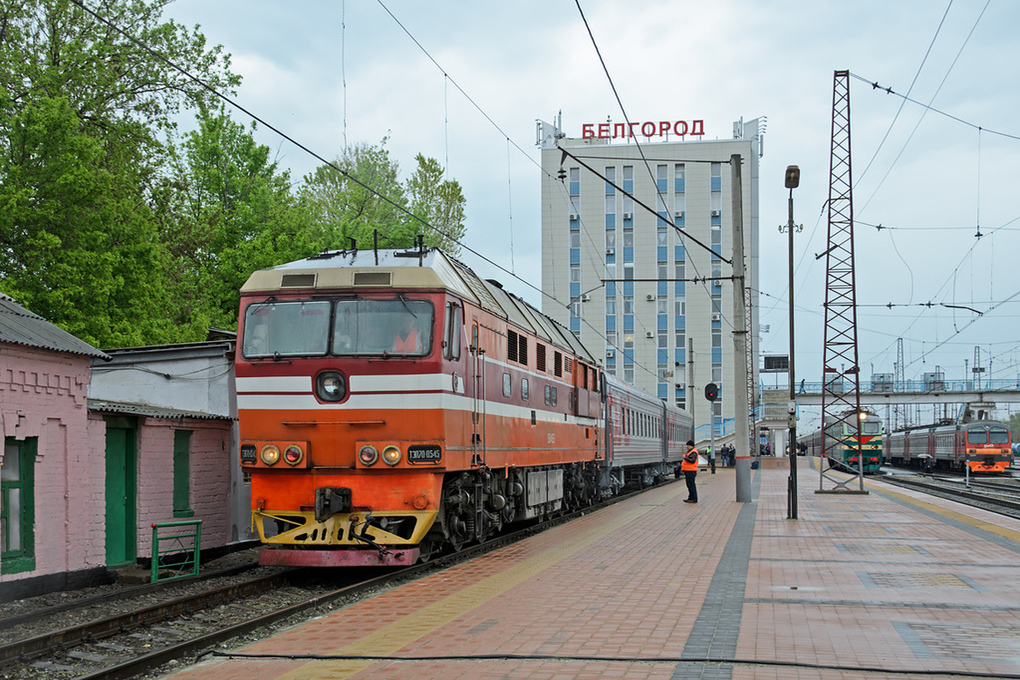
[297, 281]
[373, 278]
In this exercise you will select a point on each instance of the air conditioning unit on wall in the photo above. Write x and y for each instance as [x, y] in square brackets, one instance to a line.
[716, 213]
[628, 216]
[650, 298]
[649, 334]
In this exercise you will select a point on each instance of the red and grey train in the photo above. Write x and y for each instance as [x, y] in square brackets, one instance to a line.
[979, 443]
[394, 405]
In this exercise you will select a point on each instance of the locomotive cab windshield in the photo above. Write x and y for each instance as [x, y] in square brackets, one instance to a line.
[345, 327]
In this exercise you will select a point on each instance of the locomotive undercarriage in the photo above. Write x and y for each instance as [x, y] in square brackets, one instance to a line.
[476, 505]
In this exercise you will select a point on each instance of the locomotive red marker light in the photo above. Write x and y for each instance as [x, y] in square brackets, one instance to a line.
[368, 455]
[293, 454]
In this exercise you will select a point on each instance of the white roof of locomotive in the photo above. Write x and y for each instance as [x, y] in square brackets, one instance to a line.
[408, 269]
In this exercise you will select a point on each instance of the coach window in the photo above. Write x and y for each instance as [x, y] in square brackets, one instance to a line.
[524, 389]
[451, 336]
[507, 385]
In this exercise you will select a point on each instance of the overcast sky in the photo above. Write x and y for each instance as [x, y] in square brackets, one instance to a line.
[327, 72]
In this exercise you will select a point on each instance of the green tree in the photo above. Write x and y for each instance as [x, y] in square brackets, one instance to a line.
[439, 203]
[1014, 427]
[77, 245]
[368, 196]
[56, 46]
[228, 212]
[363, 196]
[85, 113]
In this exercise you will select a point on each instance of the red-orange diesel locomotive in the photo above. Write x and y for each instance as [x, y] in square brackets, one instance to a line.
[393, 405]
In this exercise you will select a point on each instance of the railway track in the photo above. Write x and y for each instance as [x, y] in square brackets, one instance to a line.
[994, 497]
[174, 629]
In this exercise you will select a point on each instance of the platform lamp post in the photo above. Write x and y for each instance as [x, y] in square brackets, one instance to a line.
[792, 181]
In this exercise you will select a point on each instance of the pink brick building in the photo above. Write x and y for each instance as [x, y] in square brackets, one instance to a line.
[98, 446]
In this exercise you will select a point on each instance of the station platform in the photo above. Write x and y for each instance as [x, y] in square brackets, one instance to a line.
[891, 584]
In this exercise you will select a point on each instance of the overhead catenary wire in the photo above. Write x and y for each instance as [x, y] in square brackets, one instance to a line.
[236, 105]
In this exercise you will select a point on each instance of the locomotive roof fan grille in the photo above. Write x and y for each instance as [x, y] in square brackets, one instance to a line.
[297, 281]
[372, 278]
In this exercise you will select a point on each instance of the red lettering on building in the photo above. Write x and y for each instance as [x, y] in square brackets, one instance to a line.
[662, 128]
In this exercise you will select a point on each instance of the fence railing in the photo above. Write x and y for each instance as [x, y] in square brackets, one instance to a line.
[176, 549]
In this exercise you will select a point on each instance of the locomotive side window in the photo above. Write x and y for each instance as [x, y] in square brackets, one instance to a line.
[388, 327]
[451, 335]
[286, 329]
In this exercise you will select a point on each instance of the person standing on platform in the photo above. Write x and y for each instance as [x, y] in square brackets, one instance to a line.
[690, 470]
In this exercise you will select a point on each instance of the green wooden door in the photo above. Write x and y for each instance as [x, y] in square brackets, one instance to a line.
[120, 495]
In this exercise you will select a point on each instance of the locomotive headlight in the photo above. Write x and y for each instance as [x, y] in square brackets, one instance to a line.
[292, 455]
[269, 454]
[368, 455]
[330, 386]
[391, 455]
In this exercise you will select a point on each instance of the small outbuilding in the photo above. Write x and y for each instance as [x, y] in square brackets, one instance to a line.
[51, 481]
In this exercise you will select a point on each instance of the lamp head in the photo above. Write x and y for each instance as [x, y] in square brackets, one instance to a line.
[792, 176]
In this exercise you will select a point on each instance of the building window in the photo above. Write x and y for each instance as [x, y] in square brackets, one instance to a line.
[575, 273]
[610, 306]
[680, 307]
[575, 238]
[628, 271]
[17, 506]
[610, 238]
[661, 305]
[628, 304]
[610, 179]
[611, 204]
[182, 474]
[663, 339]
[663, 270]
[628, 237]
[662, 236]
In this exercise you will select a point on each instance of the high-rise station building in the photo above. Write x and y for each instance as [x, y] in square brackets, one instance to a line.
[637, 241]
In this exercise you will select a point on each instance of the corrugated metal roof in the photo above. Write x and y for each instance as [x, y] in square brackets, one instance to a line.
[150, 411]
[22, 327]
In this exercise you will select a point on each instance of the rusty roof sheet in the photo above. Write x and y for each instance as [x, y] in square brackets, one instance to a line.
[104, 406]
[22, 327]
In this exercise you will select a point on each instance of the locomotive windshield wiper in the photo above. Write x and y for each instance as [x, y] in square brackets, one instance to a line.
[406, 306]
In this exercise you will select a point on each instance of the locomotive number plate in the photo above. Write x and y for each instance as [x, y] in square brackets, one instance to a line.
[247, 454]
[424, 454]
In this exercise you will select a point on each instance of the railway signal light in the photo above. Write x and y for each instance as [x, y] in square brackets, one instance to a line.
[711, 391]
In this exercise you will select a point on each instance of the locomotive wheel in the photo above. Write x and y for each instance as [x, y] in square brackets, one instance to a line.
[430, 546]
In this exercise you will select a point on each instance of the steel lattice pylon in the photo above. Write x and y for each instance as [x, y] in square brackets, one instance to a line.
[841, 398]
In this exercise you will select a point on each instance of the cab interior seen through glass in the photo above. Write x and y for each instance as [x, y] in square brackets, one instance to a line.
[349, 327]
